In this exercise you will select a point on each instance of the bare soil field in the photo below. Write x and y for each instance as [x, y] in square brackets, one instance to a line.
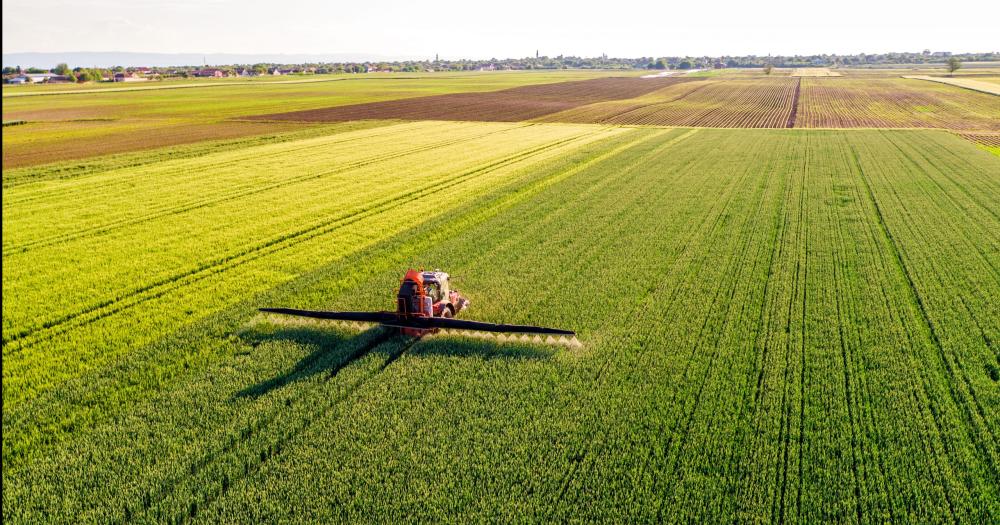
[508, 105]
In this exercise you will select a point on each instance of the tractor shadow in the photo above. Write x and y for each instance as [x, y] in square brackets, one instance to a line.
[334, 350]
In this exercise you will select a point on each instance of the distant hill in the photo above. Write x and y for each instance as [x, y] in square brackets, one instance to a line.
[127, 59]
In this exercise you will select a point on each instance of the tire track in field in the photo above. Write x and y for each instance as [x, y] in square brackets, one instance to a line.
[765, 322]
[927, 405]
[28, 338]
[799, 278]
[735, 262]
[802, 366]
[115, 225]
[639, 310]
[850, 397]
[897, 251]
[917, 299]
[795, 105]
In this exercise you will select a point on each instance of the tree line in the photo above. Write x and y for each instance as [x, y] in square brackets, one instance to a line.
[82, 74]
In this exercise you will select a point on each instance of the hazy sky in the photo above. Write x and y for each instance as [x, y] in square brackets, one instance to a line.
[510, 28]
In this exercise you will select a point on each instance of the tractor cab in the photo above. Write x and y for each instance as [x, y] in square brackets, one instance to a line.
[436, 285]
[428, 294]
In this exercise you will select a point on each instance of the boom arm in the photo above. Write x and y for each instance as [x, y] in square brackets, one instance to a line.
[426, 323]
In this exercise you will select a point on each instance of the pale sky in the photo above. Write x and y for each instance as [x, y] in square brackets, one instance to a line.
[503, 29]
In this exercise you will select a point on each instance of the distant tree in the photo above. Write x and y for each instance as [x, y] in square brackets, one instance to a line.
[953, 65]
[71, 77]
[661, 64]
[35, 71]
[767, 68]
[686, 64]
[61, 69]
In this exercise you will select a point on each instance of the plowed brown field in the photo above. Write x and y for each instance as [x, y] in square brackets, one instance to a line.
[737, 103]
[58, 141]
[508, 105]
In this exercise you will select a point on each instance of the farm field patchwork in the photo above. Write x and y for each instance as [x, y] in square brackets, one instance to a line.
[68, 127]
[77, 126]
[508, 105]
[778, 325]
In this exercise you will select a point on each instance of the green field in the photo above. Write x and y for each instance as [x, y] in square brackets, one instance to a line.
[777, 326]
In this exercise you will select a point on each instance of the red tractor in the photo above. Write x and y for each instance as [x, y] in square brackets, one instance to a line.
[426, 304]
[427, 294]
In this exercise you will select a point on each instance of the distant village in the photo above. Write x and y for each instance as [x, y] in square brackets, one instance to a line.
[62, 73]
[143, 74]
